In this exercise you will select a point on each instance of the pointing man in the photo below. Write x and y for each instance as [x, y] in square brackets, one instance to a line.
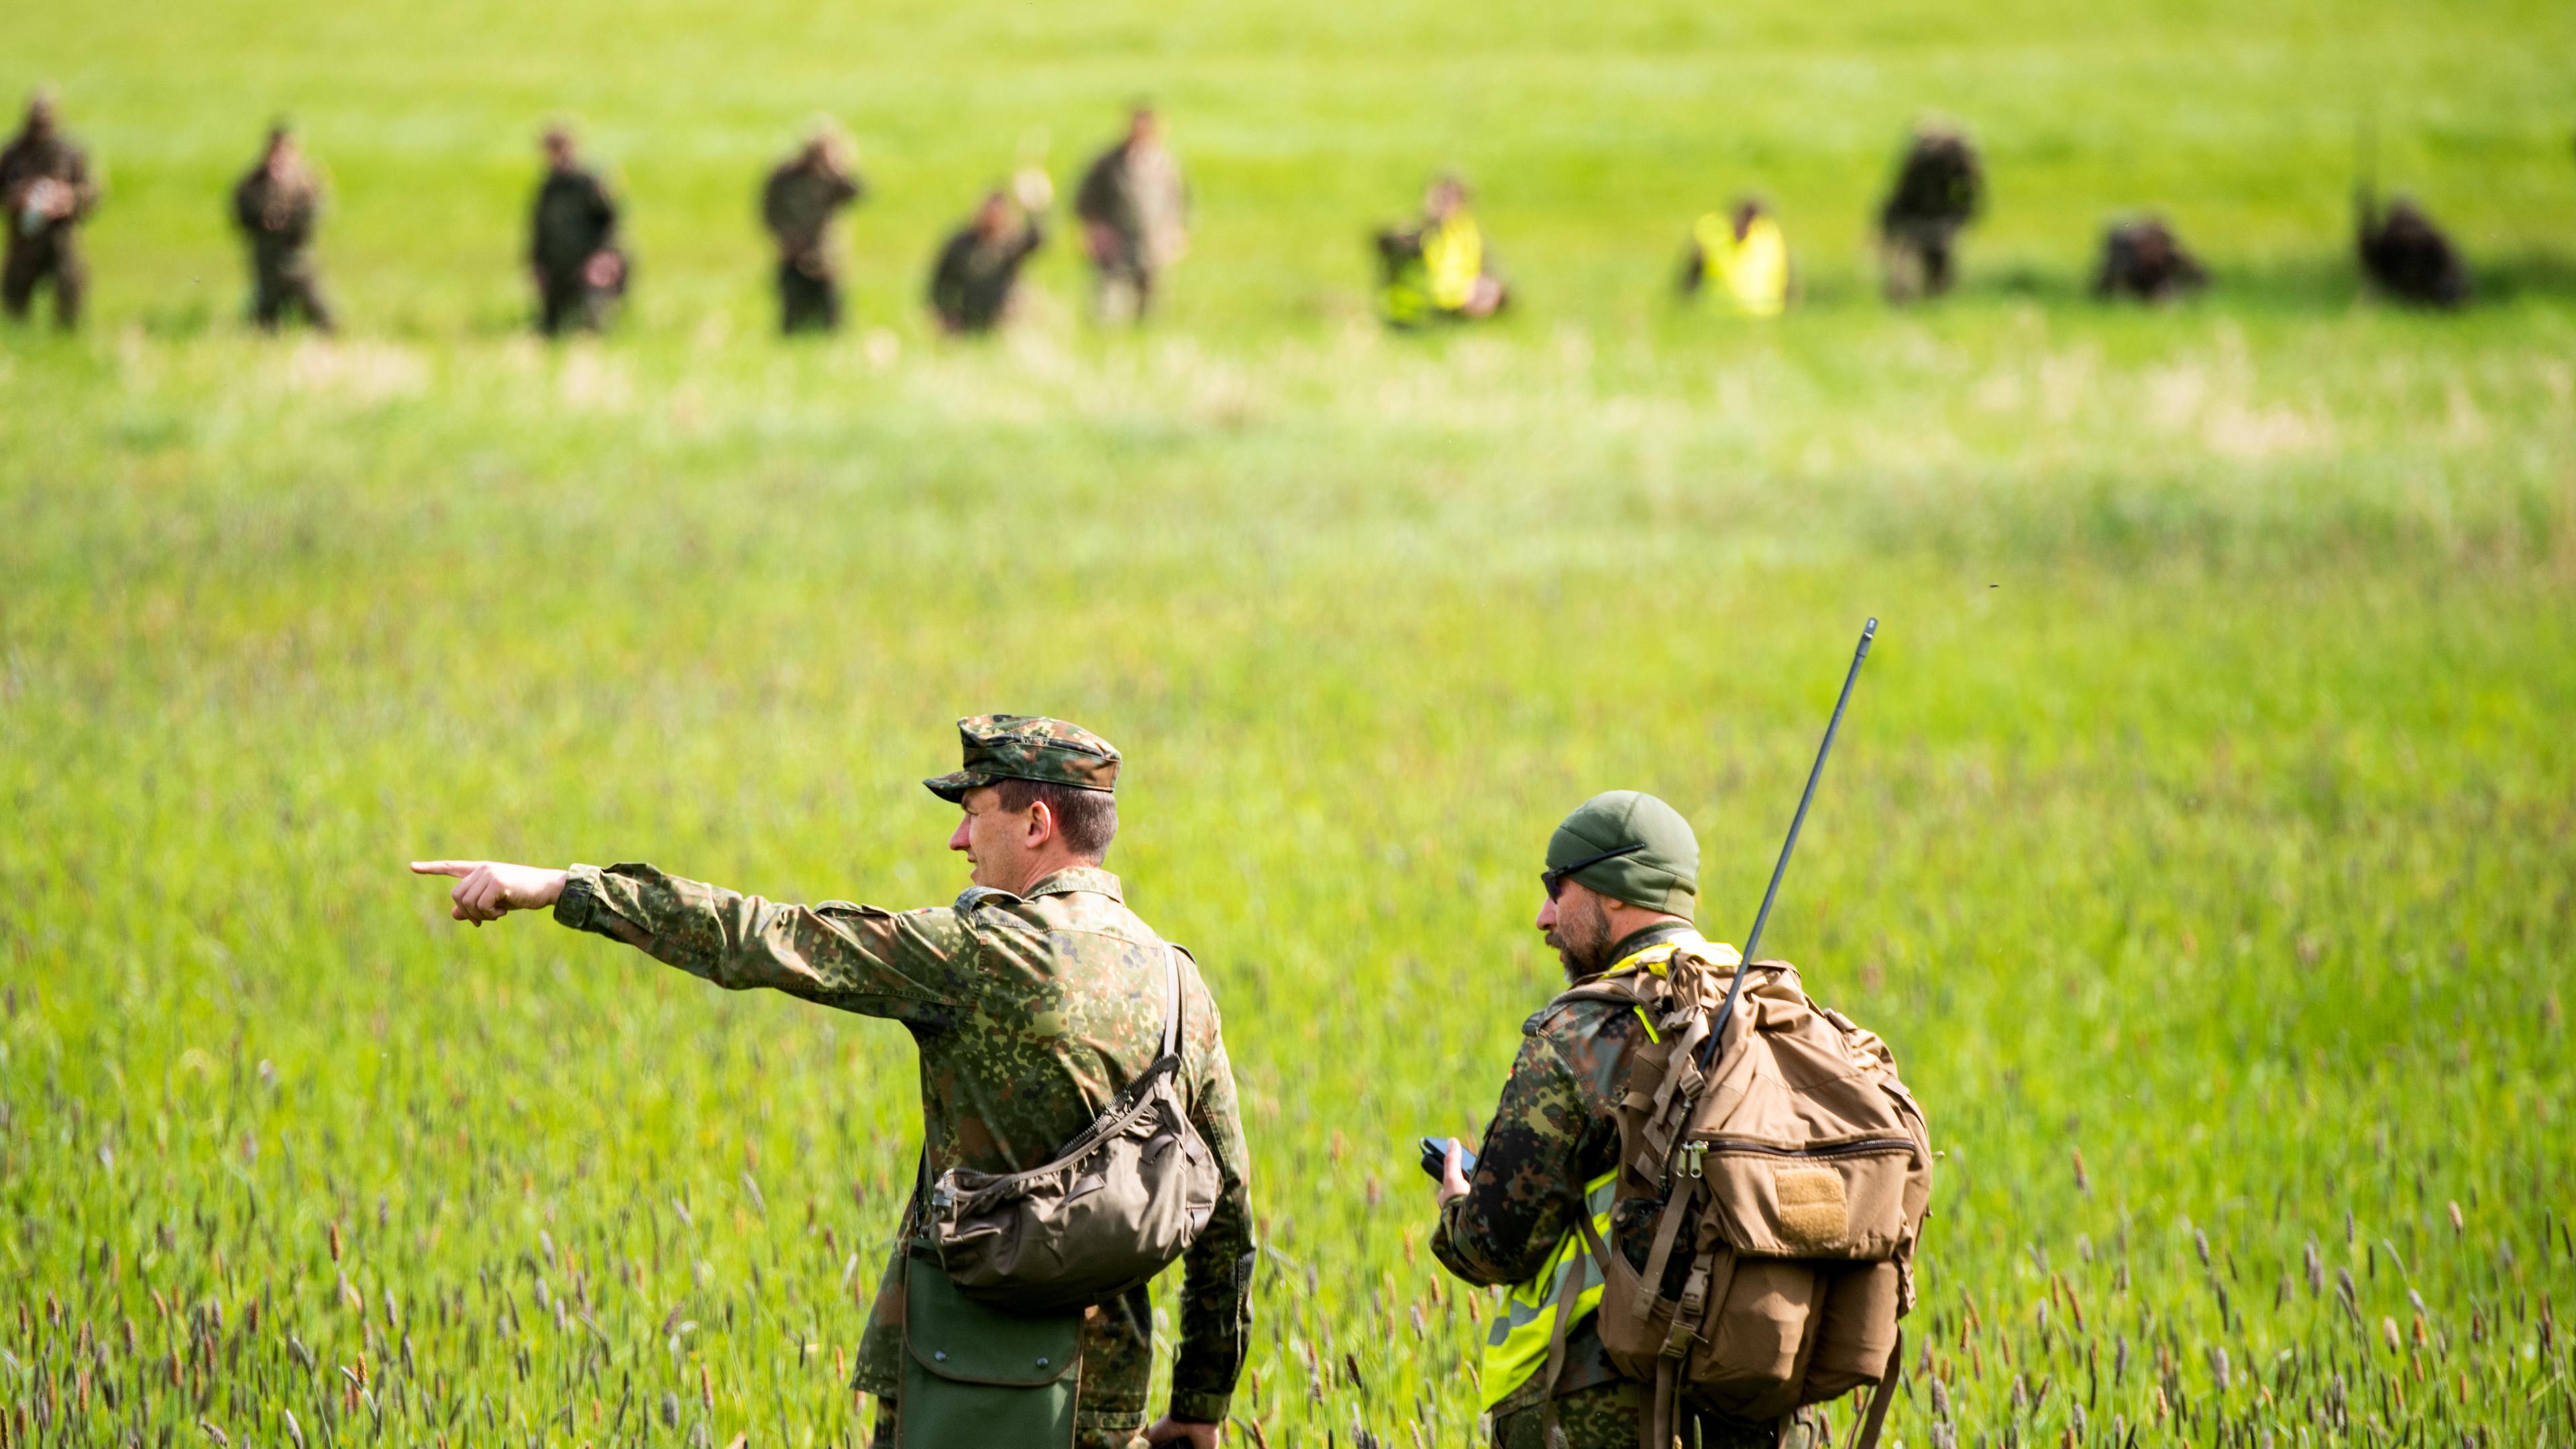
[1033, 1000]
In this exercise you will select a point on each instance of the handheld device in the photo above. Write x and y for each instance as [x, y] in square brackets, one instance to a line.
[1435, 1155]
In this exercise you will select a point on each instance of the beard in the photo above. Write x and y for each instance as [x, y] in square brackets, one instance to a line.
[1582, 939]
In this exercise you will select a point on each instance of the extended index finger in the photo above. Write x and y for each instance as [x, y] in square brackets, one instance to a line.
[458, 868]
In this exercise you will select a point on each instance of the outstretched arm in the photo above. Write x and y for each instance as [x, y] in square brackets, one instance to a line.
[910, 967]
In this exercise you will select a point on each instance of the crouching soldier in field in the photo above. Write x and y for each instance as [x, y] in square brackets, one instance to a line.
[1039, 1004]
[797, 204]
[1940, 187]
[276, 207]
[1745, 254]
[45, 183]
[2406, 256]
[973, 283]
[572, 242]
[2145, 260]
[1440, 267]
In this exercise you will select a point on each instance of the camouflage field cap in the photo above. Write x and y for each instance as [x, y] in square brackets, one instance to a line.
[1028, 747]
[1631, 847]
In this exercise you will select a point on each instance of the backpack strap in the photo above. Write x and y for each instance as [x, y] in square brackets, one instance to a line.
[1865, 1433]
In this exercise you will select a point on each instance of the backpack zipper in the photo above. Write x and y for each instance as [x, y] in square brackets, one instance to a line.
[1694, 1153]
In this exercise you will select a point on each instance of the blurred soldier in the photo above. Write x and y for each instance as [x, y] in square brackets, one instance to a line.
[1134, 210]
[1745, 253]
[797, 205]
[2406, 256]
[276, 206]
[1622, 879]
[972, 284]
[45, 183]
[1940, 187]
[572, 242]
[2145, 260]
[1440, 267]
[1033, 1000]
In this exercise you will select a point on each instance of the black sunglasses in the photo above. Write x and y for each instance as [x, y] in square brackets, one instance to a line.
[1554, 880]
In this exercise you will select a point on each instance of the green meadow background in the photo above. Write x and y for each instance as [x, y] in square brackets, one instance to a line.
[2201, 836]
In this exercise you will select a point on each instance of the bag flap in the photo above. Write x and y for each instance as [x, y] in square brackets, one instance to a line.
[1844, 1202]
[956, 1338]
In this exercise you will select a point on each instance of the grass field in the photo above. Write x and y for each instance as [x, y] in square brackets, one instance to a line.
[2201, 838]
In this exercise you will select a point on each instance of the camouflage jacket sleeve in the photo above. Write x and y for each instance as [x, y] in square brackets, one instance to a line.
[913, 967]
[1216, 1291]
[1551, 1133]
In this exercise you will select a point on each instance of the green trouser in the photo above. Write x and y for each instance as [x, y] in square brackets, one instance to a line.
[1604, 1416]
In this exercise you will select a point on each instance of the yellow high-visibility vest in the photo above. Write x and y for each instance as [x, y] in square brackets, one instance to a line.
[1516, 1341]
[1752, 274]
[1453, 253]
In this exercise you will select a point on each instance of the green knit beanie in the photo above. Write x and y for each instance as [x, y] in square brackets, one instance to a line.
[1657, 864]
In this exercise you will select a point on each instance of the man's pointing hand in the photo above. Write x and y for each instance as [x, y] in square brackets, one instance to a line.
[487, 890]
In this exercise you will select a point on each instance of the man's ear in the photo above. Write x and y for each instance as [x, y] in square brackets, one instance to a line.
[1041, 826]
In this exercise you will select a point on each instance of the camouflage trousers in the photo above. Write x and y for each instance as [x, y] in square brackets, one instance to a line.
[48, 258]
[1604, 1416]
[280, 285]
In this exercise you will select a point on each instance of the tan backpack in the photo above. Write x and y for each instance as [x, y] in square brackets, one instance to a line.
[1768, 1212]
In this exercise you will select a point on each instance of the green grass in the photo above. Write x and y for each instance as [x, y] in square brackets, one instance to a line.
[2206, 808]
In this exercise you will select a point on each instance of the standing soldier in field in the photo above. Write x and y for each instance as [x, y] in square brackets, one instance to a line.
[1622, 879]
[978, 271]
[1033, 1000]
[45, 183]
[277, 206]
[1134, 210]
[797, 204]
[572, 242]
[1439, 269]
[1940, 187]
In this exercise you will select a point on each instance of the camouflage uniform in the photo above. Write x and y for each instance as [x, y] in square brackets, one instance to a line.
[574, 218]
[2408, 257]
[44, 249]
[797, 205]
[276, 210]
[1029, 1013]
[1554, 1131]
[1940, 187]
[1134, 198]
[971, 285]
[2144, 259]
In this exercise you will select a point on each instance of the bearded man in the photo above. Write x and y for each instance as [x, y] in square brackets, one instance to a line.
[1622, 879]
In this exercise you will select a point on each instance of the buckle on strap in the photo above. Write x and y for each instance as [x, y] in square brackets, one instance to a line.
[1694, 1299]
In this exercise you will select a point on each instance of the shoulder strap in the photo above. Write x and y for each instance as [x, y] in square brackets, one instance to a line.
[1173, 1004]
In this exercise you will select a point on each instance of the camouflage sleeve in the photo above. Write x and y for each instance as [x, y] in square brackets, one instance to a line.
[911, 967]
[1528, 1176]
[1216, 1289]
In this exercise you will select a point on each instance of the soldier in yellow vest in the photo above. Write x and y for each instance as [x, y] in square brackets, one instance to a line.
[1440, 268]
[1745, 255]
[1622, 879]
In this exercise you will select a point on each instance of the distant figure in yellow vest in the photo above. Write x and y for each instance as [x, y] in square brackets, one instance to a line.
[1745, 254]
[1440, 268]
